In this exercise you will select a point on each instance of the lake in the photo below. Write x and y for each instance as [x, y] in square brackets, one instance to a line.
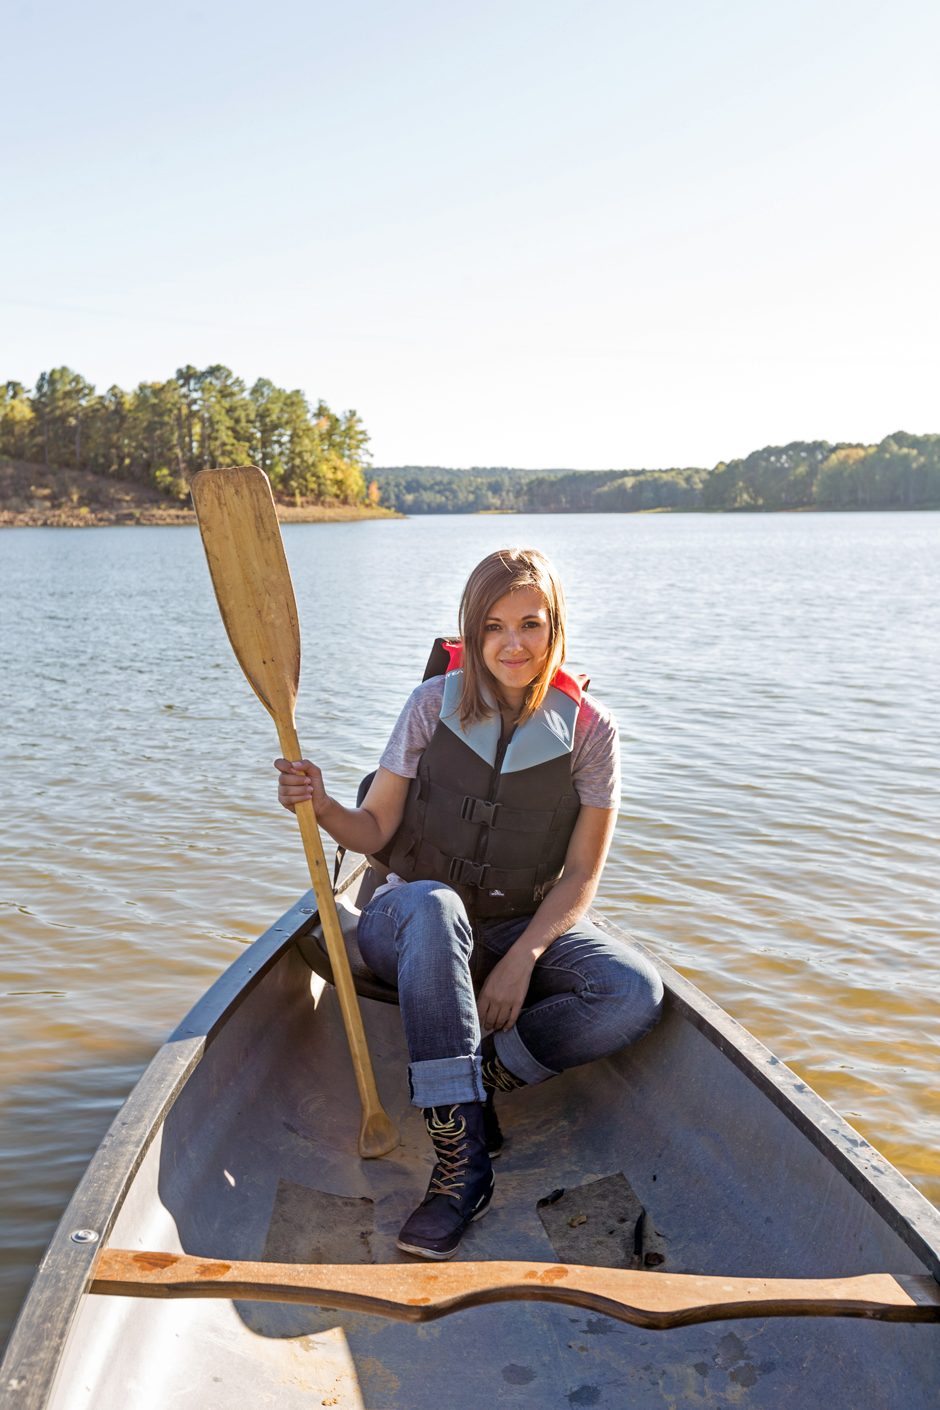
[777, 681]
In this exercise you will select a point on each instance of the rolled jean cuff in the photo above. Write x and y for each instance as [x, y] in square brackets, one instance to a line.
[439, 1081]
[514, 1054]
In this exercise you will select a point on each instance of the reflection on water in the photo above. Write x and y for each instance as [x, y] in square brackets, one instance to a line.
[777, 681]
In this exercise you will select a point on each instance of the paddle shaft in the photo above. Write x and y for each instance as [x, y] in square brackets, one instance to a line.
[408, 1292]
[377, 1134]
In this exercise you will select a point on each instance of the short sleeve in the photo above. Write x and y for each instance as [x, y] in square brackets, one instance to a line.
[595, 764]
[414, 728]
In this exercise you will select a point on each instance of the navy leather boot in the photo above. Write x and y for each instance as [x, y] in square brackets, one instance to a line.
[496, 1078]
[461, 1183]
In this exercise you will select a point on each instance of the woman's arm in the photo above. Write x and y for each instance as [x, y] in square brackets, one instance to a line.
[365, 829]
[504, 991]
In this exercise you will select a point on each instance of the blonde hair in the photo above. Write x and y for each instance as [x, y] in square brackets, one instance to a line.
[507, 570]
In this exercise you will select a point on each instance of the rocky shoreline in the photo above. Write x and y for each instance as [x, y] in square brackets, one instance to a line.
[286, 513]
[33, 497]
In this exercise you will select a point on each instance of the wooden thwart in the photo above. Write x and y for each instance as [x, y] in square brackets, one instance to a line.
[408, 1292]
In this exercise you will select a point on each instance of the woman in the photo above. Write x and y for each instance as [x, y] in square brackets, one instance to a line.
[496, 797]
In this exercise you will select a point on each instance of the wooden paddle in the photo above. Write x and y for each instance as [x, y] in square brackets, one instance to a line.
[408, 1292]
[242, 539]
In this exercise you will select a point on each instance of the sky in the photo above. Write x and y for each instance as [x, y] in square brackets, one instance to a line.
[613, 233]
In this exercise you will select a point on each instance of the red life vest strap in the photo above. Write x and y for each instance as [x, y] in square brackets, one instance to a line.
[454, 650]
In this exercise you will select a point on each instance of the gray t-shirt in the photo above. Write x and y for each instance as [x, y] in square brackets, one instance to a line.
[595, 759]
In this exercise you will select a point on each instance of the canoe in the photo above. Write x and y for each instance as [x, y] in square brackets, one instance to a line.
[685, 1224]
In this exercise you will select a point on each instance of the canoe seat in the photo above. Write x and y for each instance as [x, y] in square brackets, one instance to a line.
[313, 946]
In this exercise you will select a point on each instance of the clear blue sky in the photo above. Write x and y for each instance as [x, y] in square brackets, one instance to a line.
[528, 233]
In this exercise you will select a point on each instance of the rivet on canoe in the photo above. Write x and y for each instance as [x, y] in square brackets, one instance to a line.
[307, 910]
[84, 1236]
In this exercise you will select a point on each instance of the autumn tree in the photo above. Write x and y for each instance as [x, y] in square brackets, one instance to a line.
[17, 421]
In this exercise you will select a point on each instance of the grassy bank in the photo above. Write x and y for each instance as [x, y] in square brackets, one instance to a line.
[32, 496]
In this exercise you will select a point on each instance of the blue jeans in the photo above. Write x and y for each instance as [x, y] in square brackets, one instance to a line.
[589, 994]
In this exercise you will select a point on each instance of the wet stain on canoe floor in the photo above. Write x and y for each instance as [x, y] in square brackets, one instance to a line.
[584, 1395]
[518, 1375]
[602, 1327]
[733, 1358]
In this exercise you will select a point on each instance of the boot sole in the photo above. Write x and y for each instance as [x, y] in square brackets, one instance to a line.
[433, 1253]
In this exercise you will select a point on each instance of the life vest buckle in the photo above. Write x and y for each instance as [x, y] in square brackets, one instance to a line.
[478, 810]
[463, 872]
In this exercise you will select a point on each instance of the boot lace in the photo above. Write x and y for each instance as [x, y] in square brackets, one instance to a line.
[453, 1155]
[497, 1078]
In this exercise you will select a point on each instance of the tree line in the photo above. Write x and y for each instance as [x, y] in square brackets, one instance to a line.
[900, 472]
[161, 433]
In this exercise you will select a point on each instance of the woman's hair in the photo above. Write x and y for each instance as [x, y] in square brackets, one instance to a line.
[507, 570]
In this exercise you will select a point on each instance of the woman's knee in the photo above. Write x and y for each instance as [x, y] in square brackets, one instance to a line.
[629, 988]
[648, 1003]
[419, 914]
[436, 903]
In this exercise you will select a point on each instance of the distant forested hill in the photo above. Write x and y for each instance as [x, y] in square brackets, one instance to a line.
[432, 489]
[900, 472]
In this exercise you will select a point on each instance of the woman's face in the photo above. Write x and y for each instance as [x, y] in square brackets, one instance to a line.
[516, 641]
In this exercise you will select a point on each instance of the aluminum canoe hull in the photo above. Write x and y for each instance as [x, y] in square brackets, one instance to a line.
[239, 1142]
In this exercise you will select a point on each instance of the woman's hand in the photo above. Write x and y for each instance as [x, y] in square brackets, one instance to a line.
[298, 782]
[366, 829]
[504, 990]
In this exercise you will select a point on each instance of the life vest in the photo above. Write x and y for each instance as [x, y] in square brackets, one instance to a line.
[492, 820]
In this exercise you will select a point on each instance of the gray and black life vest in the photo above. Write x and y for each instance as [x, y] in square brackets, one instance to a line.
[492, 820]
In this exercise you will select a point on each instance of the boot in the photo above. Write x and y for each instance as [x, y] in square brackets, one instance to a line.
[461, 1183]
[496, 1078]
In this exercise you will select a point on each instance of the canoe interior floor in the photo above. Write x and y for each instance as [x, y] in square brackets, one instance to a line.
[257, 1160]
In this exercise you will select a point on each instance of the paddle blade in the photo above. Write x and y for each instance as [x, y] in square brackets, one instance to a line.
[245, 552]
